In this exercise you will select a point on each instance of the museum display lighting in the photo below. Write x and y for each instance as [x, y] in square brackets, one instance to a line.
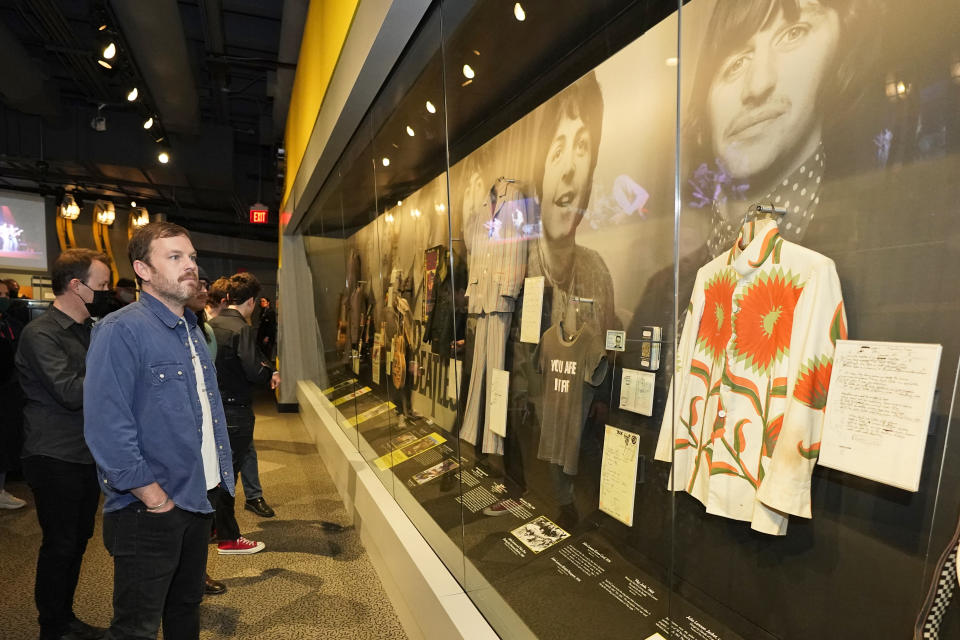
[163, 157]
[468, 72]
[148, 123]
[109, 51]
[386, 162]
[410, 131]
[519, 13]
[106, 212]
[69, 208]
[430, 107]
[132, 95]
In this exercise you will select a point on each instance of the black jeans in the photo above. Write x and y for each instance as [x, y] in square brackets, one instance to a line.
[240, 421]
[67, 495]
[159, 562]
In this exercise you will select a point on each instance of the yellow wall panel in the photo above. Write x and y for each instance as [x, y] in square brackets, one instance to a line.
[328, 22]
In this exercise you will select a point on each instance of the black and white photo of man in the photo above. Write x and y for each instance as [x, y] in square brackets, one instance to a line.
[769, 75]
[566, 156]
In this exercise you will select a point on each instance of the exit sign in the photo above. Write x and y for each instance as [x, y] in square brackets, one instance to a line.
[258, 214]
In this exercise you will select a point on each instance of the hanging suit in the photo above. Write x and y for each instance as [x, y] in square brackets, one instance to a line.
[496, 268]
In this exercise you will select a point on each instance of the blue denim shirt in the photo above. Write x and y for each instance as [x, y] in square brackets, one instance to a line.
[142, 416]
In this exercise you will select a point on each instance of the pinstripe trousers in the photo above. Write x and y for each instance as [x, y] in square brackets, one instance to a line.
[489, 351]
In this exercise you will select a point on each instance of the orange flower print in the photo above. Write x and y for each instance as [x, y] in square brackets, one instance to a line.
[813, 382]
[714, 330]
[765, 320]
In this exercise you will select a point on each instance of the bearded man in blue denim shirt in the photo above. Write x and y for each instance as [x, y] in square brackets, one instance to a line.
[154, 423]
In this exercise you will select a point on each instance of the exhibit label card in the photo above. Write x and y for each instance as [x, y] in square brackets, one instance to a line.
[532, 309]
[497, 397]
[636, 391]
[878, 410]
[454, 375]
[618, 473]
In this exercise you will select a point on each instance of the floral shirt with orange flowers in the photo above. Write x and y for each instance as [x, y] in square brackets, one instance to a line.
[745, 411]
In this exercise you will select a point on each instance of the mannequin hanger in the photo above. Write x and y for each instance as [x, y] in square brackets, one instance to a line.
[755, 213]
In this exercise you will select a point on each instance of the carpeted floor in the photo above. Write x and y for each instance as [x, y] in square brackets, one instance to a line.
[314, 580]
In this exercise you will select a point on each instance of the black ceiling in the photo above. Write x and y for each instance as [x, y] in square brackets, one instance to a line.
[215, 74]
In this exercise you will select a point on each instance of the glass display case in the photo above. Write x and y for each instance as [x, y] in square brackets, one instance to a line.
[639, 311]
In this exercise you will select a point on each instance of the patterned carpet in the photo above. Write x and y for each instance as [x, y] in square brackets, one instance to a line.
[314, 580]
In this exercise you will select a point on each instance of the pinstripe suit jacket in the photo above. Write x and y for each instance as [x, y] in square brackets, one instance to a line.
[498, 250]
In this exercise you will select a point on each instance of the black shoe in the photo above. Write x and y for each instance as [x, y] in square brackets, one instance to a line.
[260, 507]
[213, 587]
[80, 630]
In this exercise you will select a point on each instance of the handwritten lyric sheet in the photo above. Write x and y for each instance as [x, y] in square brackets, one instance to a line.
[878, 410]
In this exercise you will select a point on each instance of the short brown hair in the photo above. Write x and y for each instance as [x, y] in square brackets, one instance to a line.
[142, 239]
[74, 263]
[242, 287]
[217, 291]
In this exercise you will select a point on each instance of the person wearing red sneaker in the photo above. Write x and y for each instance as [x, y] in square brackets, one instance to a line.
[154, 422]
[240, 365]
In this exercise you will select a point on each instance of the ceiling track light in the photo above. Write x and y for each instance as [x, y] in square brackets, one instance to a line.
[163, 157]
[109, 51]
[132, 96]
[69, 209]
[148, 123]
[430, 107]
[106, 213]
[104, 64]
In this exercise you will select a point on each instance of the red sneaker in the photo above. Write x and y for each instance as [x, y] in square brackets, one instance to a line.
[239, 546]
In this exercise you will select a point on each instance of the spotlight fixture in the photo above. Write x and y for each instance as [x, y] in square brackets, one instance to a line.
[69, 208]
[104, 64]
[102, 27]
[109, 51]
[163, 157]
[399, 203]
[139, 217]
[148, 123]
[386, 162]
[468, 72]
[410, 131]
[519, 13]
[430, 107]
[133, 204]
[99, 121]
[132, 95]
[106, 212]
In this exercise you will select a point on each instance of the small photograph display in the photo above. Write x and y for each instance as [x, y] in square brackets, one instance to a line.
[540, 534]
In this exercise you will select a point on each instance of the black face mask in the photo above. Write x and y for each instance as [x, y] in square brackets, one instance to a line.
[101, 302]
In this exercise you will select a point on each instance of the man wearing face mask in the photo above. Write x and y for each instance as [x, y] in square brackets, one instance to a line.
[57, 464]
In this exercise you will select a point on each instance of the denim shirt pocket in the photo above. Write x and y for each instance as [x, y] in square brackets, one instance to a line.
[169, 380]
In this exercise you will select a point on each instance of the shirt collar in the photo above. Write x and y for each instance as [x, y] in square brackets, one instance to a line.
[166, 316]
[61, 318]
[233, 313]
[758, 242]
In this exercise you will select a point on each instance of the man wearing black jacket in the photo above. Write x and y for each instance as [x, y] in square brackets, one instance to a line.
[241, 365]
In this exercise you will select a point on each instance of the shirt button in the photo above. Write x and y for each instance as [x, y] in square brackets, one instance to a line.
[216, 422]
[721, 414]
[204, 366]
[210, 393]
[179, 373]
[161, 376]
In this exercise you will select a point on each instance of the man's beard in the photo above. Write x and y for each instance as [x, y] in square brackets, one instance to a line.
[179, 291]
